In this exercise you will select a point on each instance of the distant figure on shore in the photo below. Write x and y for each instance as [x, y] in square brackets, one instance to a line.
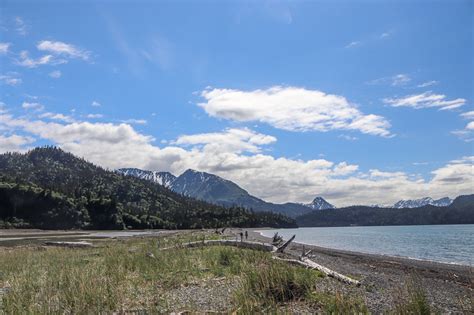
[246, 235]
[241, 236]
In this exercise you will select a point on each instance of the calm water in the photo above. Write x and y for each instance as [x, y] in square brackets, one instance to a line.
[443, 243]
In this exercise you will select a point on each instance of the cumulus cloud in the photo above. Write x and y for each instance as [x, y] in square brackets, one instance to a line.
[64, 49]
[231, 140]
[14, 142]
[4, 48]
[426, 100]
[241, 157]
[292, 108]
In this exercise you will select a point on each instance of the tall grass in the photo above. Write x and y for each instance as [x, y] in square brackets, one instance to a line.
[123, 276]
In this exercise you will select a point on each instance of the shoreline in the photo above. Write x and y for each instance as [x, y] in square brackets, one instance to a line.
[345, 251]
[448, 287]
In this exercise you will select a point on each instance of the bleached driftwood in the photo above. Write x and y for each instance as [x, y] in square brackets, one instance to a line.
[282, 247]
[70, 244]
[306, 262]
[242, 244]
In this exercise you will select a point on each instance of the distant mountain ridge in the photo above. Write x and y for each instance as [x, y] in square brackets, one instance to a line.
[217, 190]
[416, 203]
[460, 211]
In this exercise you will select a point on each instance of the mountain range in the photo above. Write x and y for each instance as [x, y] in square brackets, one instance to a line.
[217, 190]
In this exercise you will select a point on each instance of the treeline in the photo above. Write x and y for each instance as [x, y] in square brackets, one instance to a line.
[461, 211]
[50, 189]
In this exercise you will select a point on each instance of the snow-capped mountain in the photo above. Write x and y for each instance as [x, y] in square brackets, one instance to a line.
[416, 203]
[319, 203]
[162, 178]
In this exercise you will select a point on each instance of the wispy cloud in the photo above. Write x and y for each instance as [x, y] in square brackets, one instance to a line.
[4, 47]
[56, 74]
[468, 115]
[427, 83]
[94, 116]
[32, 106]
[20, 26]
[28, 62]
[353, 44]
[394, 80]
[63, 49]
[57, 116]
[95, 104]
[425, 100]
[134, 121]
[10, 79]
[293, 109]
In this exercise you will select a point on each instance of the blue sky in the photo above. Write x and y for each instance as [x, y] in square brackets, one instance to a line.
[311, 97]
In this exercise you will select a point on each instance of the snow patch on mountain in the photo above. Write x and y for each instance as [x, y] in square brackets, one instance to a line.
[416, 203]
[163, 178]
[319, 203]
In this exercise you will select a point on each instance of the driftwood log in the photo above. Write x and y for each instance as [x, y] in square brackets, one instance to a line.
[306, 262]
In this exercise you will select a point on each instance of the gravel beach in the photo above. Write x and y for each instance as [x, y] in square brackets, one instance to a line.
[448, 287]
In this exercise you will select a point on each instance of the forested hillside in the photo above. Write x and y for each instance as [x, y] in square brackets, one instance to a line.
[51, 189]
[461, 211]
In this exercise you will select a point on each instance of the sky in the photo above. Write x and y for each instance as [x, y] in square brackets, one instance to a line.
[360, 102]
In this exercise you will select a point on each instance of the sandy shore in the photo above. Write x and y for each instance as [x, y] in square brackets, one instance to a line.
[448, 287]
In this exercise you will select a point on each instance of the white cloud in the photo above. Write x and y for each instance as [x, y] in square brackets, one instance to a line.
[28, 62]
[385, 35]
[292, 108]
[426, 100]
[56, 74]
[57, 116]
[470, 126]
[10, 79]
[95, 103]
[400, 79]
[21, 26]
[231, 140]
[238, 156]
[428, 83]
[33, 106]
[395, 80]
[94, 116]
[134, 121]
[14, 143]
[4, 48]
[64, 49]
[353, 44]
[468, 115]
[348, 137]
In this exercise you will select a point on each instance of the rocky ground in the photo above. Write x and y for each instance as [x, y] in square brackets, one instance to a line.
[385, 280]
